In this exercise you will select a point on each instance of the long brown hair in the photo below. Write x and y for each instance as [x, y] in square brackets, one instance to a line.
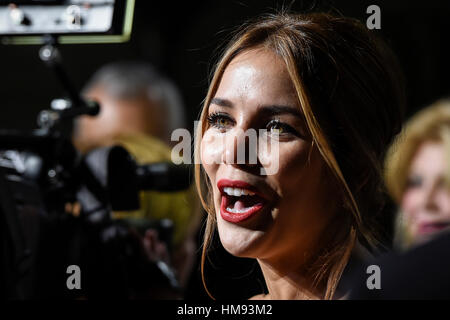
[350, 90]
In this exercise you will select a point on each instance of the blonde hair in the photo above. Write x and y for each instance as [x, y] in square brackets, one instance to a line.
[430, 124]
[349, 90]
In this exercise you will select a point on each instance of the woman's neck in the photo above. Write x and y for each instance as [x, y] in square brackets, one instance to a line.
[292, 276]
[290, 283]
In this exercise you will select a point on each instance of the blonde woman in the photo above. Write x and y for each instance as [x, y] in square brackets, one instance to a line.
[328, 91]
[418, 176]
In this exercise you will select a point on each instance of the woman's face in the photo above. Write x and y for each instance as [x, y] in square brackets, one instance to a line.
[426, 200]
[263, 216]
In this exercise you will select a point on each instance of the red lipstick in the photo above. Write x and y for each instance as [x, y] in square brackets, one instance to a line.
[429, 228]
[238, 208]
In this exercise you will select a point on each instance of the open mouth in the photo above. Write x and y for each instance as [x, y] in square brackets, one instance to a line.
[238, 203]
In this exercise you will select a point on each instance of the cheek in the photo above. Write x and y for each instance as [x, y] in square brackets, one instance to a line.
[98, 124]
[85, 126]
[211, 149]
[294, 166]
[410, 202]
[443, 201]
[111, 116]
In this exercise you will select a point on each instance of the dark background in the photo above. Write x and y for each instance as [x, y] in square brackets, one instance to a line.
[181, 39]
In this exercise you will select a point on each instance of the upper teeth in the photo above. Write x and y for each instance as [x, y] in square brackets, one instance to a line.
[237, 192]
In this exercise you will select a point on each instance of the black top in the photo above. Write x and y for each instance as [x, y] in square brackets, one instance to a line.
[420, 273]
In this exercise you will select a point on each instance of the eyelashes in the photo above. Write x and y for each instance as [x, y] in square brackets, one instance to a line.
[281, 128]
[223, 121]
[219, 120]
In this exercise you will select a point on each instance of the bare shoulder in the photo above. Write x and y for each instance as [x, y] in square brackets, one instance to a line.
[261, 296]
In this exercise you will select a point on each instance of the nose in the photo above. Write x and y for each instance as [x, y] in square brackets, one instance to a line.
[241, 148]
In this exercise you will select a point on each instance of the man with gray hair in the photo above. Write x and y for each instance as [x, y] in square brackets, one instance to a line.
[139, 109]
[134, 97]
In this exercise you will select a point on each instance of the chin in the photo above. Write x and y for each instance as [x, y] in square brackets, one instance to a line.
[239, 241]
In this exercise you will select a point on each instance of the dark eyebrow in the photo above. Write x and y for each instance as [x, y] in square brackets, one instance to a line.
[222, 102]
[276, 110]
[267, 109]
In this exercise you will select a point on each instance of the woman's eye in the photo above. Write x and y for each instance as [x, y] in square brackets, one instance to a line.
[279, 128]
[414, 181]
[220, 121]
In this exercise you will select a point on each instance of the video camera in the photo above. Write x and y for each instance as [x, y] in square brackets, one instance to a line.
[43, 177]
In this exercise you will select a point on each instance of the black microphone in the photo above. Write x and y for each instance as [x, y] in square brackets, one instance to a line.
[112, 176]
[48, 118]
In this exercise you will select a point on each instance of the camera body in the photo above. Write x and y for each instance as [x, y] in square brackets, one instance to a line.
[40, 179]
[43, 179]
